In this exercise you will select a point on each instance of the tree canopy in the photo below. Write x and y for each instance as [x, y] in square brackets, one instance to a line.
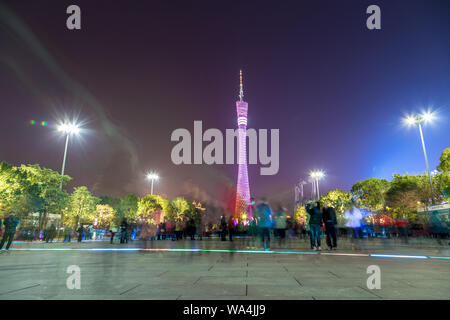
[371, 193]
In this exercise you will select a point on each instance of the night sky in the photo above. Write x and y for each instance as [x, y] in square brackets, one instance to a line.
[137, 70]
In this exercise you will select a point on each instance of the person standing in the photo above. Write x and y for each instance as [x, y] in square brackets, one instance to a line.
[264, 216]
[113, 232]
[252, 233]
[190, 228]
[163, 229]
[123, 231]
[80, 232]
[230, 227]
[51, 233]
[315, 224]
[67, 233]
[329, 218]
[11, 223]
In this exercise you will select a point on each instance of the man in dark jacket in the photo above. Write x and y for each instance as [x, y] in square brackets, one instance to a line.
[315, 224]
[11, 223]
[329, 218]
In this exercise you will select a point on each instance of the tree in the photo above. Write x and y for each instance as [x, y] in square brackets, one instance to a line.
[104, 215]
[127, 209]
[300, 215]
[371, 193]
[83, 206]
[30, 188]
[405, 195]
[444, 177]
[110, 201]
[195, 212]
[444, 165]
[177, 208]
[340, 200]
[148, 206]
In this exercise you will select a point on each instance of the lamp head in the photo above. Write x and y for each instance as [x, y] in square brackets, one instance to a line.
[69, 128]
[152, 176]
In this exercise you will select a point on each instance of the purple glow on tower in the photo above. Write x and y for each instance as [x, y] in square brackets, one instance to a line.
[243, 189]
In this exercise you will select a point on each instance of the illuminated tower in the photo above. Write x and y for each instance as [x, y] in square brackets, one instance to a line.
[243, 189]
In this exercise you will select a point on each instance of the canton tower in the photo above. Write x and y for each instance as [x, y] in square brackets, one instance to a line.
[243, 190]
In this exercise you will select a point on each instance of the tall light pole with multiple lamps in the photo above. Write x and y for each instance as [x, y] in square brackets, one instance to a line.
[419, 120]
[152, 177]
[68, 129]
[315, 176]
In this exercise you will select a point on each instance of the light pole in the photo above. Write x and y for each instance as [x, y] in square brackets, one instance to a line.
[67, 129]
[315, 177]
[152, 177]
[419, 119]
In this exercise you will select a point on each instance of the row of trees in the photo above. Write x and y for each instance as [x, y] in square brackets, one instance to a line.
[400, 198]
[31, 189]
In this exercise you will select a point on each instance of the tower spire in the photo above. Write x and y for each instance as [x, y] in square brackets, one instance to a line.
[241, 87]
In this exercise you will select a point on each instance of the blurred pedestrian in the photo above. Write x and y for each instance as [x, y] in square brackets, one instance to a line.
[163, 229]
[67, 233]
[280, 225]
[252, 233]
[330, 221]
[51, 233]
[265, 223]
[231, 227]
[80, 232]
[223, 228]
[178, 230]
[11, 223]
[315, 224]
[191, 228]
[113, 232]
[353, 216]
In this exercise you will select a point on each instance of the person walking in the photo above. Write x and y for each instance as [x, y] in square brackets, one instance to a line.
[280, 226]
[353, 217]
[315, 224]
[11, 223]
[265, 222]
[330, 221]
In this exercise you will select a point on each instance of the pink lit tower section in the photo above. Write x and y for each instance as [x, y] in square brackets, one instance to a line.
[243, 189]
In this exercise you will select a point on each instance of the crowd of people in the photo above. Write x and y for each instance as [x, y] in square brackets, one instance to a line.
[263, 224]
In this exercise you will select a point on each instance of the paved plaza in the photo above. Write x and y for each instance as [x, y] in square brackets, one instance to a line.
[211, 269]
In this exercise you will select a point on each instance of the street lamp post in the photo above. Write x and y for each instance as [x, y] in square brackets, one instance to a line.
[419, 119]
[315, 177]
[152, 177]
[67, 129]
